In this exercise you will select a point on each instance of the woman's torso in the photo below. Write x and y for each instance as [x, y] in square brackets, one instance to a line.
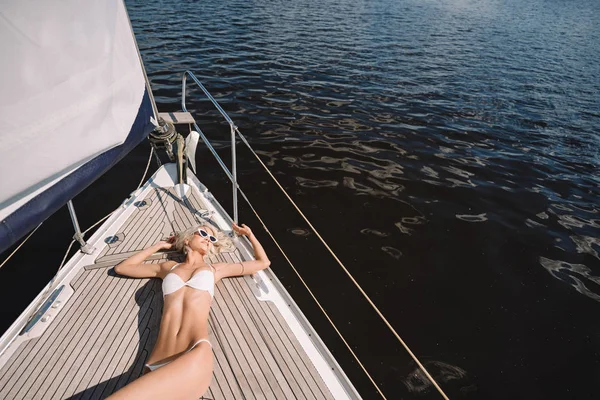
[185, 312]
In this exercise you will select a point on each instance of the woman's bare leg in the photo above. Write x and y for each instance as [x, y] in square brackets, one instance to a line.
[186, 378]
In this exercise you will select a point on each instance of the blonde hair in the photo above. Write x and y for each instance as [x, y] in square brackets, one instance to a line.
[224, 243]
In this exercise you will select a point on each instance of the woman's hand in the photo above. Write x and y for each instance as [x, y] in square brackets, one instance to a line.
[242, 230]
[166, 244]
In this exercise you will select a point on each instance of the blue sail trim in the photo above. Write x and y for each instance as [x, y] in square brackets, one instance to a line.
[28, 216]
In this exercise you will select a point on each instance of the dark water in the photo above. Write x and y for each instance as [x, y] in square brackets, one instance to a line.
[446, 150]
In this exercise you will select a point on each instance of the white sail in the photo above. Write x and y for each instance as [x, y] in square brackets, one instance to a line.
[71, 87]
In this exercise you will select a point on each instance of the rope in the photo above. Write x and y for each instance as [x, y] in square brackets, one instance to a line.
[147, 166]
[22, 243]
[390, 327]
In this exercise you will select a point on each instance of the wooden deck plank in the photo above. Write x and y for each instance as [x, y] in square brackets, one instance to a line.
[84, 351]
[136, 360]
[158, 234]
[161, 227]
[183, 216]
[132, 224]
[150, 330]
[289, 346]
[218, 390]
[142, 229]
[155, 208]
[251, 337]
[78, 280]
[313, 378]
[208, 395]
[223, 374]
[187, 219]
[234, 357]
[54, 371]
[95, 375]
[197, 202]
[278, 348]
[179, 117]
[300, 353]
[179, 221]
[132, 344]
[149, 241]
[84, 323]
[115, 367]
[234, 257]
[277, 380]
[308, 371]
[104, 341]
[30, 349]
[136, 214]
[25, 366]
[231, 384]
[255, 373]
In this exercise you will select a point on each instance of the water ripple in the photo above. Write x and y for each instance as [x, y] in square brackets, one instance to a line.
[574, 275]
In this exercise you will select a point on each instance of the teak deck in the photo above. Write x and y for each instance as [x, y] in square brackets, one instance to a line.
[101, 338]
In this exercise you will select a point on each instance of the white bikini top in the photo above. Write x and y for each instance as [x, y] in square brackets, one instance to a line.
[203, 280]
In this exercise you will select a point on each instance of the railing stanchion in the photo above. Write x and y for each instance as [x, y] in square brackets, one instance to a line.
[85, 248]
[232, 177]
[234, 170]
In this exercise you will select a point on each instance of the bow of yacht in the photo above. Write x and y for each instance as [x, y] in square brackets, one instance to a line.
[95, 331]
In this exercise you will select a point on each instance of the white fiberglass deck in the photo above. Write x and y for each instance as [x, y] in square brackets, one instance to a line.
[102, 334]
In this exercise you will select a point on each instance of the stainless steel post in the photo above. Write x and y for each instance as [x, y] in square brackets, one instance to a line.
[234, 170]
[86, 248]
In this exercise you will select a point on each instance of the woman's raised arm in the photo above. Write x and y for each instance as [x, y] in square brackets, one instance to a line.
[133, 267]
[225, 270]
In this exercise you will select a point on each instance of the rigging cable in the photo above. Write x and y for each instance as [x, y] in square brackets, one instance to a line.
[391, 328]
[18, 247]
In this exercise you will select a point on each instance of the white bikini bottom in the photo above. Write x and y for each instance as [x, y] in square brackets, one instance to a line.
[155, 366]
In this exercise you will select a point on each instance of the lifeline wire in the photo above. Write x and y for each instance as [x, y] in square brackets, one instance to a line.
[439, 389]
[22, 243]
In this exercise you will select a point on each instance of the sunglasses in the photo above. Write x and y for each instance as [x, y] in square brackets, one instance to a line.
[205, 234]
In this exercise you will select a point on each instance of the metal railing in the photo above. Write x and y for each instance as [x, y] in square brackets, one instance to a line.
[231, 175]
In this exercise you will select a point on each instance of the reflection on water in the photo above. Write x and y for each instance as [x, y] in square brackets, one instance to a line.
[418, 383]
[585, 244]
[300, 232]
[374, 232]
[393, 252]
[473, 218]
[575, 275]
